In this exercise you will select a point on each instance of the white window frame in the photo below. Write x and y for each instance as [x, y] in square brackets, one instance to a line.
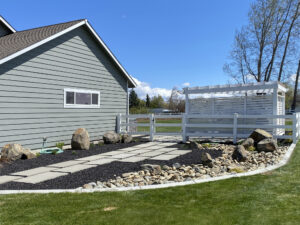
[81, 106]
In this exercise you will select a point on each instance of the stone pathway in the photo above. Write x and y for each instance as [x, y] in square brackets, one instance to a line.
[160, 149]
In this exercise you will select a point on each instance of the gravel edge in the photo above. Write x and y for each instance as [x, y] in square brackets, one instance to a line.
[283, 162]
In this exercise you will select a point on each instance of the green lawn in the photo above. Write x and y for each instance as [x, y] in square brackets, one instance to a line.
[272, 198]
[161, 129]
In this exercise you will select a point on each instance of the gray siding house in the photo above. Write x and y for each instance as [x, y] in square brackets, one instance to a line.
[55, 79]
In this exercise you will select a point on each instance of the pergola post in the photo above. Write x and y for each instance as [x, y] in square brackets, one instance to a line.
[275, 108]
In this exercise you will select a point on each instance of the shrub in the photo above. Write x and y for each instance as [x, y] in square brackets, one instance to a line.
[38, 154]
[54, 152]
[92, 145]
[74, 153]
[251, 148]
[100, 143]
[237, 170]
[206, 145]
[60, 145]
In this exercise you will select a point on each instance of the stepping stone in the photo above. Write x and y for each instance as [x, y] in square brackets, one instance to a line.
[141, 151]
[100, 161]
[154, 147]
[133, 159]
[74, 168]
[179, 152]
[113, 153]
[151, 154]
[165, 150]
[37, 178]
[123, 155]
[66, 163]
[92, 158]
[164, 157]
[34, 171]
[5, 179]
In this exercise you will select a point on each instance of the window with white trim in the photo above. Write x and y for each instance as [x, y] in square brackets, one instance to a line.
[77, 98]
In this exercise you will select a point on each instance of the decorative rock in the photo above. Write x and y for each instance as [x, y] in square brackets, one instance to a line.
[11, 152]
[206, 159]
[27, 154]
[259, 134]
[111, 137]
[176, 165]
[126, 138]
[155, 169]
[247, 143]
[80, 140]
[267, 145]
[195, 146]
[240, 153]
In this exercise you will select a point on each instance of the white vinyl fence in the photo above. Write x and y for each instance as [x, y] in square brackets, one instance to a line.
[210, 126]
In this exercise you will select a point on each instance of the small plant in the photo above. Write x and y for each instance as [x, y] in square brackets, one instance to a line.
[74, 153]
[38, 154]
[92, 145]
[237, 170]
[206, 145]
[60, 145]
[100, 143]
[54, 152]
[251, 148]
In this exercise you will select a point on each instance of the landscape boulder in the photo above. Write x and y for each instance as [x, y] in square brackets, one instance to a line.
[206, 159]
[248, 143]
[126, 138]
[259, 134]
[239, 154]
[111, 137]
[80, 140]
[12, 152]
[155, 169]
[267, 145]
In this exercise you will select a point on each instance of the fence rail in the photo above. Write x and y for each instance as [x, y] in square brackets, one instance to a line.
[227, 126]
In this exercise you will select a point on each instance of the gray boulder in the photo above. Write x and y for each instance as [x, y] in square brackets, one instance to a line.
[259, 134]
[267, 145]
[240, 153]
[206, 159]
[248, 143]
[12, 152]
[80, 140]
[126, 138]
[155, 169]
[111, 137]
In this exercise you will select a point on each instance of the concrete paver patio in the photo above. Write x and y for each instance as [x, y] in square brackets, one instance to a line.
[156, 150]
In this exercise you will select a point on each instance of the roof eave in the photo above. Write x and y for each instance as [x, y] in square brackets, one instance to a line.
[2, 20]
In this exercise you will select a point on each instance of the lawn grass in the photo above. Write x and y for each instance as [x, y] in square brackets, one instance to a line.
[272, 198]
[161, 129]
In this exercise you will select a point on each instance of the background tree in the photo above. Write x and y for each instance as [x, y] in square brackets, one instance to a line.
[133, 99]
[147, 101]
[174, 100]
[157, 102]
[296, 88]
[265, 49]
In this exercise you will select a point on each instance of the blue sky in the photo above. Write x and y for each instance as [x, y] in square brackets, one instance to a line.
[162, 43]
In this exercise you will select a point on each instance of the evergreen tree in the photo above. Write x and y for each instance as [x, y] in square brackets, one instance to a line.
[147, 101]
[133, 99]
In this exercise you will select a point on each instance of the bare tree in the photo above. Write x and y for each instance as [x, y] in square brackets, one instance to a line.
[296, 88]
[265, 43]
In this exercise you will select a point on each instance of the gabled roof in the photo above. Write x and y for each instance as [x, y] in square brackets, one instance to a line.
[21, 42]
[6, 24]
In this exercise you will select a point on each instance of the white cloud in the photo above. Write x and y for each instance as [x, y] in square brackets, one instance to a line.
[186, 84]
[144, 88]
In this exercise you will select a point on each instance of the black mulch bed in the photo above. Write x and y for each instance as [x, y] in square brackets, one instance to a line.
[99, 173]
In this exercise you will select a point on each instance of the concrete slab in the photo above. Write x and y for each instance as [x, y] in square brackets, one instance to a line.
[7, 178]
[164, 157]
[113, 153]
[133, 159]
[140, 151]
[74, 168]
[66, 163]
[154, 147]
[37, 178]
[101, 161]
[151, 154]
[165, 149]
[34, 171]
[123, 155]
[92, 158]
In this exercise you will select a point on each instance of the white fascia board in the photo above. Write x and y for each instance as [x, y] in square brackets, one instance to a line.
[7, 24]
[110, 53]
[41, 42]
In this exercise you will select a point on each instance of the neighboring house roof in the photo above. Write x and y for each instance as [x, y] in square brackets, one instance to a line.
[6, 24]
[21, 42]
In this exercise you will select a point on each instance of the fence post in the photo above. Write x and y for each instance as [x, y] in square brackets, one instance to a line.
[184, 139]
[235, 117]
[119, 123]
[295, 131]
[151, 126]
